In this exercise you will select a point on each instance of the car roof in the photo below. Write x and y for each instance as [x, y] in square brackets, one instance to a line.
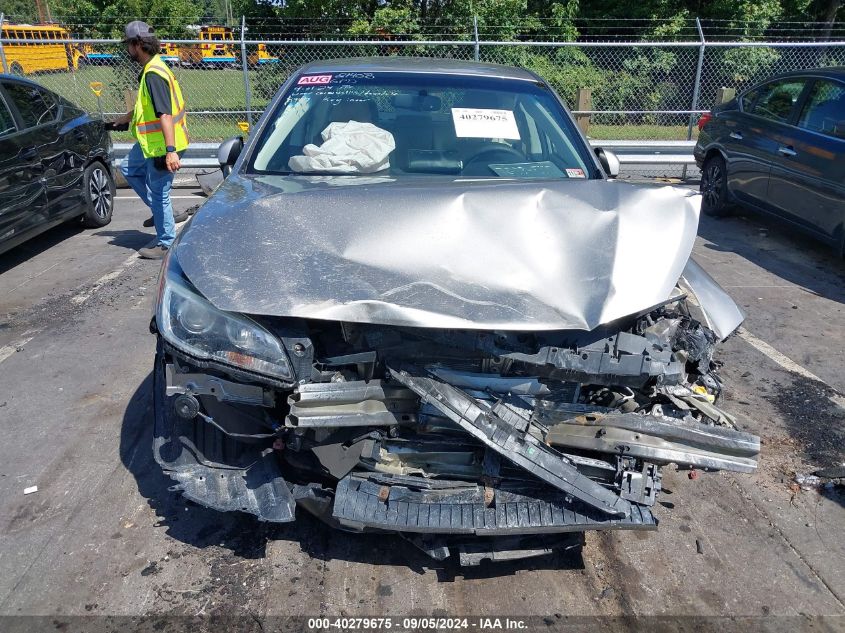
[418, 65]
[829, 72]
[19, 79]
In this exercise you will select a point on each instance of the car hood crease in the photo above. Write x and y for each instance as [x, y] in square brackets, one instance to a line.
[476, 255]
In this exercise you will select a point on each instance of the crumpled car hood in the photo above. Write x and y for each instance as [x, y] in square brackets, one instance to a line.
[435, 254]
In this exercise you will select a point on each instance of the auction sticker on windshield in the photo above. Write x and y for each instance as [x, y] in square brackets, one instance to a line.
[484, 123]
[314, 80]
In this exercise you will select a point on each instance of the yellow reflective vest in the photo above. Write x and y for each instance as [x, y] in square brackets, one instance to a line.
[146, 126]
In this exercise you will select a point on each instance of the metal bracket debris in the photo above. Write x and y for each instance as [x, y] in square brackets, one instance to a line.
[354, 403]
[639, 486]
[223, 390]
[523, 449]
[656, 438]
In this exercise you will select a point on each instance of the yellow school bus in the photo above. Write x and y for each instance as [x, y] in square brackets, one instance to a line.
[170, 53]
[260, 56]
[217, 48]
[39, 51]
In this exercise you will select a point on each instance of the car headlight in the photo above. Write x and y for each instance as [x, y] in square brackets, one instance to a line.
[189, 322]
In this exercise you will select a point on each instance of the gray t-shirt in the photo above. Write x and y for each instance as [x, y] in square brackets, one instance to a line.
[159, 91]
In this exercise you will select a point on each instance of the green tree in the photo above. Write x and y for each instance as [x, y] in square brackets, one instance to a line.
[20, 10]
[394, 19]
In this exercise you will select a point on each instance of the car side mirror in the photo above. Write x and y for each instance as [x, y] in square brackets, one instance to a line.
[609, 161]
[228, 152]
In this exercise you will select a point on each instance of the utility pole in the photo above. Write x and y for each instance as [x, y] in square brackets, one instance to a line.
[227, 10]
[43, 9]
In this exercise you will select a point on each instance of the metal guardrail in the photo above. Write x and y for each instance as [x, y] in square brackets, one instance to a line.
[197, 156]
[204, 155]
[650, 152]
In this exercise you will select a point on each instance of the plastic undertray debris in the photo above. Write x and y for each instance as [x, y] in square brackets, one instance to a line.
[361, 502]
[259, 489]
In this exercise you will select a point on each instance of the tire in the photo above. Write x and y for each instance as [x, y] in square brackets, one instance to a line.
[16, 69]
[714, 187]
[99, 196]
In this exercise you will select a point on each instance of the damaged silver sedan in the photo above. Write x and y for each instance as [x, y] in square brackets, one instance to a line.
[418, 305]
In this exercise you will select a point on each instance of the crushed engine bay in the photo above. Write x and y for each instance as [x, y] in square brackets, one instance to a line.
[448, 435]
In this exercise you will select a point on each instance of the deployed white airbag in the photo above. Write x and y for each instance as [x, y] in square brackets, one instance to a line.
[348, 148]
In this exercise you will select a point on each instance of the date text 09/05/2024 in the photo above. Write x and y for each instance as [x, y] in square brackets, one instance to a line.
[416, 623]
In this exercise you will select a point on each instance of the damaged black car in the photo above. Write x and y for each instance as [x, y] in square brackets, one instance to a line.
[420, 304]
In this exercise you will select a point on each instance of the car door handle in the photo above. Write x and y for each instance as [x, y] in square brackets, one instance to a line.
[787, 151]
[30, 153]
[736, 135]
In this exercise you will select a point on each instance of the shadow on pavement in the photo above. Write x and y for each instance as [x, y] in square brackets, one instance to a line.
[835, 493]
[780, 249]
[132, 239]
[38, 244]
[247, 537]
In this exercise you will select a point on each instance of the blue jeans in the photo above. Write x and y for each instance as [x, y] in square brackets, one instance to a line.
[153, 187]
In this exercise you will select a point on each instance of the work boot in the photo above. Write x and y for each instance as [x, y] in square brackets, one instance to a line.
[156, 252]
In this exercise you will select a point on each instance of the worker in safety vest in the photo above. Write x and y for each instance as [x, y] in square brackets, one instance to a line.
[158, 124]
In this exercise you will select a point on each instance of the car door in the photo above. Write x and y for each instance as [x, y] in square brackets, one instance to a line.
[754, 137]
[22, 196]
[807, 183]
[41, 113]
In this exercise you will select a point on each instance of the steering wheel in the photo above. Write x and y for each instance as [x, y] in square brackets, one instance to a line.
[479, 163]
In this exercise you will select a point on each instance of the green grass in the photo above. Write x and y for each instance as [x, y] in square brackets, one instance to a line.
[641, 132]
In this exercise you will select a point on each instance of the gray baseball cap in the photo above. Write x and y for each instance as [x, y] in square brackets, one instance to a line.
[137, 30]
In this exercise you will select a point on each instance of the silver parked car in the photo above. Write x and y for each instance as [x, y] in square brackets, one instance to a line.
[419, 305]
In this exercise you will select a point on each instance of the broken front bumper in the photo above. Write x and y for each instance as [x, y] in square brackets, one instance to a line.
[369, 442]
[222, 473]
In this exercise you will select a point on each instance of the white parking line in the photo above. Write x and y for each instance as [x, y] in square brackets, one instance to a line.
[26, 281]
[8, 350]
[82, 297]
[78, 299]
[787, 363]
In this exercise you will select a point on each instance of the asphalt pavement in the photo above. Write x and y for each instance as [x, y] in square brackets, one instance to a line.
[104, 535]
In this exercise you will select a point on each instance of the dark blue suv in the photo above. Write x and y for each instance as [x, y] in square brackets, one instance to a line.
[779, 148]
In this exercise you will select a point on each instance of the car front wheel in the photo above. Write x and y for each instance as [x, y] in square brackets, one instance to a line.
[99, 196]
[714, 187]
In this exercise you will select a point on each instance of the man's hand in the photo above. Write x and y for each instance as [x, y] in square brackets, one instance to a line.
[120, 124]
[172, 161]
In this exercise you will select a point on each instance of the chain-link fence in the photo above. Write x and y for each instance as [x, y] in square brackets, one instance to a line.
[627, 90]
